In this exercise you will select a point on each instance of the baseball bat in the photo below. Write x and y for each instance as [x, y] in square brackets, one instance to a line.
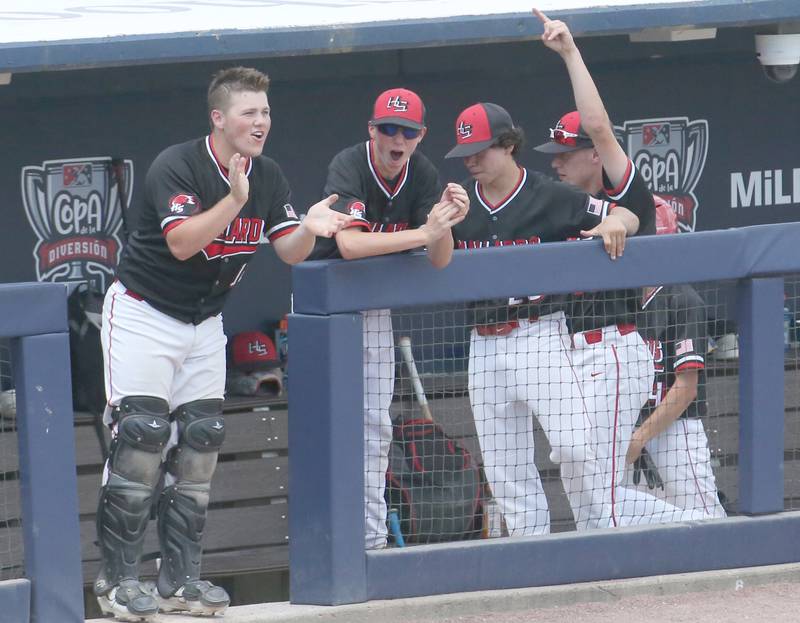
[405, 350]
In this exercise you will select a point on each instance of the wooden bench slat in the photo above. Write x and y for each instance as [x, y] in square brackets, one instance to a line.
[252, 431]
[233, 481]
[226, 528]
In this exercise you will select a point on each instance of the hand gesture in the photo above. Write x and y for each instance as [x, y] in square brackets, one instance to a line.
[320, 220]
[240, 185]
[441, 219]
[455, 193]
[556, 35]
[613, 232]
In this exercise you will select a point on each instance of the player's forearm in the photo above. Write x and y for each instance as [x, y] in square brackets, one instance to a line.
[440, 252]
[628, 218]
[594, 117]
[355, 245]
[295, 247]
[674, 404]
[196, 232]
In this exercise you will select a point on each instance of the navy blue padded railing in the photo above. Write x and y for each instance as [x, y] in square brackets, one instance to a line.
[328, 563]
[34, 316]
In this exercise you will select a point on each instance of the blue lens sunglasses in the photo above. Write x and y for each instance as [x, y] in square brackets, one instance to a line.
[390, 129]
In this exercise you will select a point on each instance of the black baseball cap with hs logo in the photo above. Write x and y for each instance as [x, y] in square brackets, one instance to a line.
[479, 127]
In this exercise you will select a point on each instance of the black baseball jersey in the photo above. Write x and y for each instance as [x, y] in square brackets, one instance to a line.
[592, 310]
[379, 205]
[184, 180]
[538, 209]
[672, 320]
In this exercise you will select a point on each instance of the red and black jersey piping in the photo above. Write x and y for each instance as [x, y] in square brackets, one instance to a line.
[376, 204]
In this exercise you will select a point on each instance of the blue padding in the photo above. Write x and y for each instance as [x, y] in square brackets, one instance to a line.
[326, 462]
[219, 45]
[406, 280]
[583, 556]
[15, 600]
[761, 396]
[32, 308]
[48, 481]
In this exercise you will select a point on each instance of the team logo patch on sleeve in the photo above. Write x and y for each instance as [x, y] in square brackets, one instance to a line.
[184, 204]
[356, 209]
[595, 206]
[289, 210]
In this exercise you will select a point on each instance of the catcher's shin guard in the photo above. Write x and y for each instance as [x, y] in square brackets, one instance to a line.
[183, 503]
[142, 431]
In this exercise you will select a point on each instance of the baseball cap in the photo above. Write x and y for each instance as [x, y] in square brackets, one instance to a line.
[567, 135]
[401, 107]
[666, 219]
[253, 350]
[479, 127]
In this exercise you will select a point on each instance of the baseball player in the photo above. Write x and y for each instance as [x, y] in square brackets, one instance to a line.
[609, 358]
[672, 319]
[394, 196]
[519, 360]
[208, 204]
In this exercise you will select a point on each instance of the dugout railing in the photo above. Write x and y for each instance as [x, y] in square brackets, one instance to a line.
[34, 317]
[328, 562]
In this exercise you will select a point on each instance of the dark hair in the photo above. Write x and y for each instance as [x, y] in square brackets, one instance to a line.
[231, 80]
[515, 137]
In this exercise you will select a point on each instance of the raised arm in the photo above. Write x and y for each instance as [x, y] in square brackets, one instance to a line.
[594, 118]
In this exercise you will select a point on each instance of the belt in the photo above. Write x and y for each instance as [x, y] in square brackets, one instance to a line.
[594, 336]
[501, 328]
[130, 293]
[134, 295]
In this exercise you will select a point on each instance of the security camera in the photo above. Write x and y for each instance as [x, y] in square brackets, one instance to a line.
[779, 55]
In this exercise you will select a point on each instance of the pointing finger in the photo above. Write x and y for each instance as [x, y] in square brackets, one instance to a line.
[542, 17]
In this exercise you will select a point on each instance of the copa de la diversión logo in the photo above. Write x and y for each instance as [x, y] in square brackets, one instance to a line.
[75, 210]
[670, 154]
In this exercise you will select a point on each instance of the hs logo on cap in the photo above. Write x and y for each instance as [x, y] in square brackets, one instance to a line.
[464, 130]
[397, 103]
[257, 347]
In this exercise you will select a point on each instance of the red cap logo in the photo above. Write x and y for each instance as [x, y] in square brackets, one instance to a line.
[472, 125]
[254, 351]
[399, 106]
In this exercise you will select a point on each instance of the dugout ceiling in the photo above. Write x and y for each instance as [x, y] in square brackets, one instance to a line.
[708, 129]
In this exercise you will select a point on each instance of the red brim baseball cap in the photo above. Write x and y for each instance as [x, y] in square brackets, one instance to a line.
[479, 127]
[567, 135]
[399, 106]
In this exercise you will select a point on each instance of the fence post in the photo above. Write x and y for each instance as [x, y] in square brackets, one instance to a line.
[327, 561]
[761, 395]
[48, 481]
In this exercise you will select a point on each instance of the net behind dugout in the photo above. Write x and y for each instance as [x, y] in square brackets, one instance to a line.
[11, 548]
[554, 399]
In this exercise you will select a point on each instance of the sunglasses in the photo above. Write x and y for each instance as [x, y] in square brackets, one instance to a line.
[390, 129]
[562, 136]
